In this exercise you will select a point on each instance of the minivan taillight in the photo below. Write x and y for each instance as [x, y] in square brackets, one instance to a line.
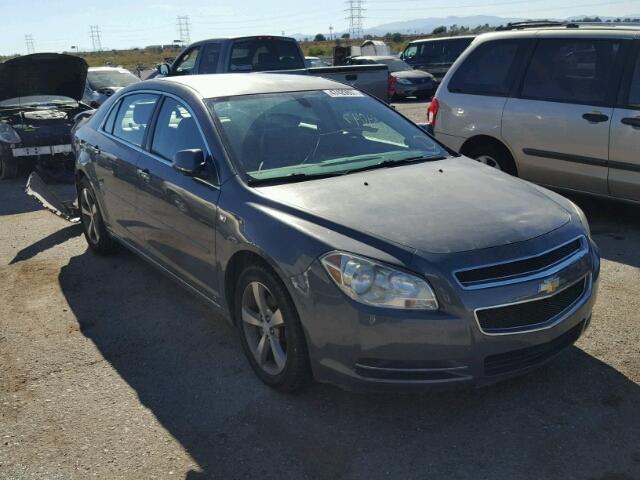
[432, 112]
[391, 87]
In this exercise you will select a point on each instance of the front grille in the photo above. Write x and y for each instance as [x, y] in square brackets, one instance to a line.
[529, 314]
[527, 357]
[518, 268]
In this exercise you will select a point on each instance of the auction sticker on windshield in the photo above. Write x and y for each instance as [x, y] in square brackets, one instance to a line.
[344, 92]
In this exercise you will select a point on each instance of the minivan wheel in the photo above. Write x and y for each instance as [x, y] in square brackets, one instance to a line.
[494, 156]
[93, 227]
[270, 330]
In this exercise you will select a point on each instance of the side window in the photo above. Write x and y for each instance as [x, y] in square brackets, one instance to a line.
[108, 124]
[210, 57]
[175, 130]
[187, 62]
[486, 71]
[634, 87]
[133, 117]
[571, 70]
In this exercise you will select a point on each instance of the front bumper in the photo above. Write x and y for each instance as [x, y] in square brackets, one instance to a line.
[415, 90]
[361, 348]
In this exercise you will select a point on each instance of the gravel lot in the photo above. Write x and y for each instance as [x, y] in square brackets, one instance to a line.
[110, 370]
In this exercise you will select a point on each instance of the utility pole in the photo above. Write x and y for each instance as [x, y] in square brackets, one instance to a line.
[355, 16]
[330, 32]
[184, 30]
[94, 33]
[29, 41]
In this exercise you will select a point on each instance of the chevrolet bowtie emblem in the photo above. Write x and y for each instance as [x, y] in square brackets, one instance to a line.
[550, 285]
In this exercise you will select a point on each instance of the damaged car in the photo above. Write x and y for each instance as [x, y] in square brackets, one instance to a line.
[102, 82]
[39, 100]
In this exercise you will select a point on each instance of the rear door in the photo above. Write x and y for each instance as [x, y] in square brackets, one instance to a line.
[179, 211]
[624, 159]
[116, 156]
[558, 127]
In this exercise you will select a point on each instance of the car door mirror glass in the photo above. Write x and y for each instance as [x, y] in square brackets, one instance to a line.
[189, 161]
[163, 69]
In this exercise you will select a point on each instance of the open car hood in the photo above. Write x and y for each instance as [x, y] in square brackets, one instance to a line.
[43, 74]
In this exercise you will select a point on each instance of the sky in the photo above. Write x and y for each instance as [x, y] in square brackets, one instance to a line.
[56, 25]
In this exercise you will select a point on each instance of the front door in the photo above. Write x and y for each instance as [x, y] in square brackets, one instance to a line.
[179, 211]
[624, 159]
[558, 127]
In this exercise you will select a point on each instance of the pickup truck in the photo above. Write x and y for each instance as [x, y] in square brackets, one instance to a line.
[272, 54]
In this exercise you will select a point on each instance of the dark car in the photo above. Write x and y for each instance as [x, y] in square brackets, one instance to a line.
[435, 55]
[342, 241]
[39, 99]
[407, 82]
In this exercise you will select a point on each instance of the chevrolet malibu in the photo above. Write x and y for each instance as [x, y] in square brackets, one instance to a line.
[343, 242]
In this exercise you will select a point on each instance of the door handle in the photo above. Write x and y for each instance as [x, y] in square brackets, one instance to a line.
[631, 121]
[144, 174]
[595, 117]
[352, 77]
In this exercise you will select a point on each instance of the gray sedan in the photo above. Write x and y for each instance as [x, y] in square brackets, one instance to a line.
[343, 242]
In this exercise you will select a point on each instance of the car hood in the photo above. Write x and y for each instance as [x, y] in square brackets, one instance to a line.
[412, 74]
[43, 74]
[437, 207]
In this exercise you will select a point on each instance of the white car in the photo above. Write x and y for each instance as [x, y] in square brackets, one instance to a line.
[102, 82]
[556, 104]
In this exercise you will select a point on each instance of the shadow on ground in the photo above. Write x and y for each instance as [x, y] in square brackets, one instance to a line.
[574, 418]
[14, 201]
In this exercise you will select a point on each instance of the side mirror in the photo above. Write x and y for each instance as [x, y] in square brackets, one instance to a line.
[163, 69]
[188, 161]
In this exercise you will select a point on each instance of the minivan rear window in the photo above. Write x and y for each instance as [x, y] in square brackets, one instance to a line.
[486, 71]
[571, 70]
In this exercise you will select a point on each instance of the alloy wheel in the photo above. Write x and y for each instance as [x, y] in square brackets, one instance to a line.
[90, 215]
[263, 326]
[489, 161]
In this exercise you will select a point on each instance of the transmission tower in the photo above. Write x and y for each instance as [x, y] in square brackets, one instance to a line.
[355, 16]
[94, 32]
[29, 41]
[184, 30]
[330, 32]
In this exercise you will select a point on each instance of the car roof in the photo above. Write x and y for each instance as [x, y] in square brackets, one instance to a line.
[231, 84]
[603, 30]
[246, 37]
[439, 39]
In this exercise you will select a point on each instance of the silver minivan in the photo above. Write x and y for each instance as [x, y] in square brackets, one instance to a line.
[557, 105]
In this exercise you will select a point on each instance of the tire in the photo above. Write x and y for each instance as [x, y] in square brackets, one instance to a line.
[93, 226]
[495, 156]
[276, 326]
[8, 168]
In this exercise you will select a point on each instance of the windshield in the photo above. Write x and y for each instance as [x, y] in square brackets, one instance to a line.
[317, 133]
[104, 79]
[397, 65]
[37, 100]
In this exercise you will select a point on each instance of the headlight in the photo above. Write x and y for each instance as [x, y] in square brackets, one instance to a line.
[8, 134]
[373, 283]
[582, 217]
[404, 81]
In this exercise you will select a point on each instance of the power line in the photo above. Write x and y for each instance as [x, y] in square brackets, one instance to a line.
[184, 29]
[355, 16]
[94, 33]
[29, 41]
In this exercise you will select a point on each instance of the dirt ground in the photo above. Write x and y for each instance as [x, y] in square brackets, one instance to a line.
[110, 370]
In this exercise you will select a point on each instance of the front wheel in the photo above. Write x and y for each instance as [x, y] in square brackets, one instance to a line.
[93, 226]
[270, 330]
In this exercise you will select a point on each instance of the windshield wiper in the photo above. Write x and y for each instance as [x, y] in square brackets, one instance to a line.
[292, 178]
[397, 163]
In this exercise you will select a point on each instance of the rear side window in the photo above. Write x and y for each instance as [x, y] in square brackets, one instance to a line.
[133, 117]
[264, 54]
[487, 70]
[108, 124]
[175, 130]
[571, 70]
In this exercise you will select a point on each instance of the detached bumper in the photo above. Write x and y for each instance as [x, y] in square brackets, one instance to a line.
[41, 150]
[361, 348]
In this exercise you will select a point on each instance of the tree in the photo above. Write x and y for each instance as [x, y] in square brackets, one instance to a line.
[319, 38]
[439, 30]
